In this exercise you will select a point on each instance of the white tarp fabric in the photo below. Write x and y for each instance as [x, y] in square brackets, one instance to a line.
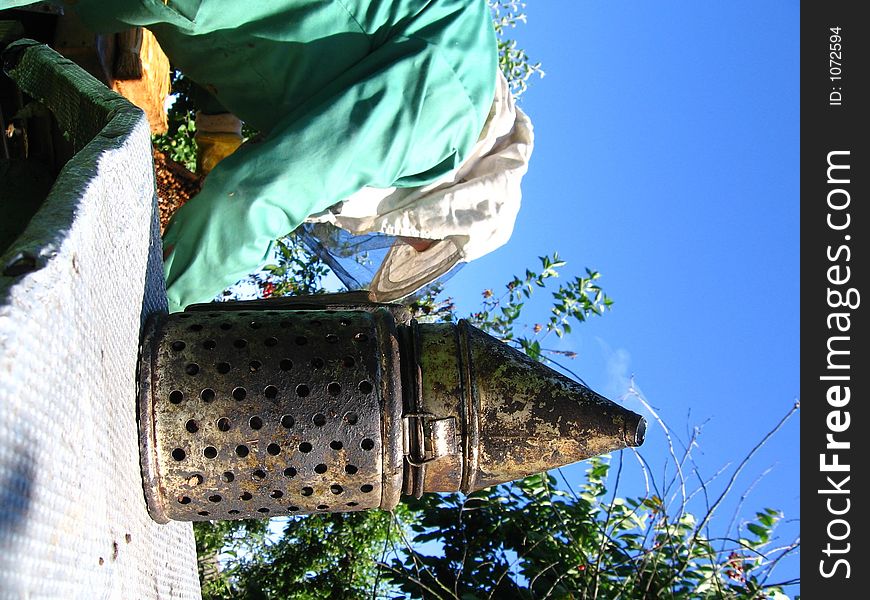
[74, 291]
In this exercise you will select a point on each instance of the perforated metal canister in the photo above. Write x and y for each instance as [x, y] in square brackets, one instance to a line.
[308, 405]
[268, 413]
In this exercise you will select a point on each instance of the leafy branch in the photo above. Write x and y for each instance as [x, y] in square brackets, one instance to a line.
[573, 302]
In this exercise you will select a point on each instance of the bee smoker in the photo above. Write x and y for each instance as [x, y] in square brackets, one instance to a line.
[320, 404]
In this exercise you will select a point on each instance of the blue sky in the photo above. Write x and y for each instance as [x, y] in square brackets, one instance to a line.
[667, 157]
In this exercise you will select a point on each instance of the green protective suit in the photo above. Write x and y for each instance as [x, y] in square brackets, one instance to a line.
[349, 93]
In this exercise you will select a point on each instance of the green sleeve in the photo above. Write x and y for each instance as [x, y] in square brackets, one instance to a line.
[398, 117]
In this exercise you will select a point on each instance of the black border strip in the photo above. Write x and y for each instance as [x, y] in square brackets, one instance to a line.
[834, 331]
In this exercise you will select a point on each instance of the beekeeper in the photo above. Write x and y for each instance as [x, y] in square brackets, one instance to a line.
[377, 115]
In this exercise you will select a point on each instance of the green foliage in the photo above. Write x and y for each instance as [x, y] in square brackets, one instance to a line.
[531, 539]
[178, 142]
[295, 272]
[427, 306]
[576, 300]
[512, 60]
[231, 539]
[324, 556]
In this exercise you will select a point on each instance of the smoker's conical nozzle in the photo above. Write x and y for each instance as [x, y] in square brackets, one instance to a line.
[511, 416]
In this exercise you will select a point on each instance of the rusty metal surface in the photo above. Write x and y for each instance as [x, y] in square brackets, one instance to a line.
[342, 301]
[389, 356]
[266, 413]
[514, 416]
[533, 419]
[443, 397]
[313, 407]
[412, 433]
[488, 414]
